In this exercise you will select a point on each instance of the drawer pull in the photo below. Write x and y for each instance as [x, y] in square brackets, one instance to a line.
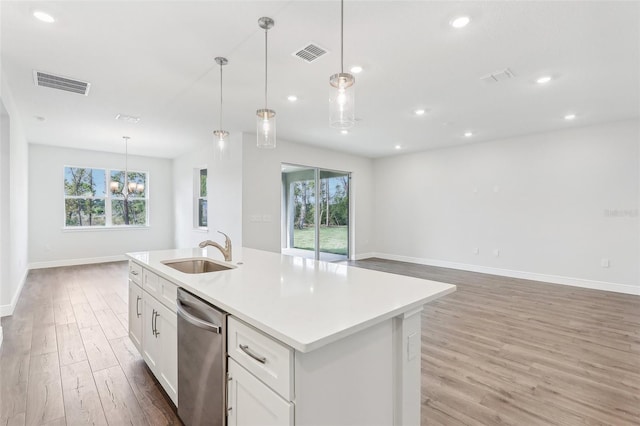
[246, 350]
[134, 272]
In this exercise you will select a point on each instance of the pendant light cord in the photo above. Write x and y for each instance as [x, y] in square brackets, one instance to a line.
[220, 97]
[126, 165]
[341, 36]
[265, 68]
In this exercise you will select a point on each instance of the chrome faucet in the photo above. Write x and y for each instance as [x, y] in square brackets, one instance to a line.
[226, 250]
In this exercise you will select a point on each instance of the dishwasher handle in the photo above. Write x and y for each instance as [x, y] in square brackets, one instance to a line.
[196, 321]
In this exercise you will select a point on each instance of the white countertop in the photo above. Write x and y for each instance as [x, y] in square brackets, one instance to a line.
[304, 303]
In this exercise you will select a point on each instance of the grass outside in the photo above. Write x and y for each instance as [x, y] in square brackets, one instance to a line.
[333, 239]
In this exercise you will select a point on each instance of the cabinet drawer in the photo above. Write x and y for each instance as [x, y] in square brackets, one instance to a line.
[135, 272]
[168, 294]
[151, 283]
[268, 359]
[163, 290]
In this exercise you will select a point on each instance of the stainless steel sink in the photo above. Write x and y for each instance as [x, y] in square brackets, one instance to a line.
[196, 266]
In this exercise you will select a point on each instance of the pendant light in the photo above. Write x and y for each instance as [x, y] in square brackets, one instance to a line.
[221, 136]
[341, 98]
[266, 118]
[127, 187]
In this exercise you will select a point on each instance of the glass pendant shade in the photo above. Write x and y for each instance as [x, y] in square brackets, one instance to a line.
[342, 101]
[266, 128]
[114, 187]
[221, 144]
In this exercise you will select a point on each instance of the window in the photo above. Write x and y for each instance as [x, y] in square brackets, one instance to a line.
[96, 198]
[201, 197]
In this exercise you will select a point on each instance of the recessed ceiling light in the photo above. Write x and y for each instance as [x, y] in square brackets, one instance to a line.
[43, 16]
[569, 116]
[292, 98]
[460, 21]
[544, 79]
[344, 132]
[398, 147]
[356, 70]
[419, 112]
[468, 134]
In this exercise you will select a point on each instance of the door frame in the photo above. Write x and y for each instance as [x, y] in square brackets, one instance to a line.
[286, 224]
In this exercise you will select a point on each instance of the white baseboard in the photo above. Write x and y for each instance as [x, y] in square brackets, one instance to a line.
[6, 310]
[534, 276]
[364, 256]
[73, 262]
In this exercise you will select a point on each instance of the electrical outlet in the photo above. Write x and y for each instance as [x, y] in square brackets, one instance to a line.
[266, 218]
[255, 218]
[496, 252]
[604, 263]
[476, 250]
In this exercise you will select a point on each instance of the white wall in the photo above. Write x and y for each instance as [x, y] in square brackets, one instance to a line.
[13, 257]
[262, 187]
[51, 245]
[544, 201]
[224, 187]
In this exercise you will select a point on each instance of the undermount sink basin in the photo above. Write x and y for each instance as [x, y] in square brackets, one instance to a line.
[196, 266]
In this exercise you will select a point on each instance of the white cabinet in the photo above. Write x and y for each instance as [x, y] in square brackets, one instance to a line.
[135, 314]
[252, 403]
[155, 330]
[260, 386]
[151, 346]
[160, 343]
[167, 334]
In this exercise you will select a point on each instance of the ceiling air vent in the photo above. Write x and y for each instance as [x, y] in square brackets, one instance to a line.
[497, 76]
[310, 53]
[44, 79]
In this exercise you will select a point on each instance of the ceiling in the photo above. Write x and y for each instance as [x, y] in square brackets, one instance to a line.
[155, 60]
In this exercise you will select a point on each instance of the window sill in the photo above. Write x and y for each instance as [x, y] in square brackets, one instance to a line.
[202, 230]
[105, 228]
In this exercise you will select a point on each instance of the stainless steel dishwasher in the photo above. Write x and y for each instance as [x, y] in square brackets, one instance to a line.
[202, 337]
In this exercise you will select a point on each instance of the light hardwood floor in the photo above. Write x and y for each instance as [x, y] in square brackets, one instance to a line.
[508, 351]
[66, 356]
[498, 351]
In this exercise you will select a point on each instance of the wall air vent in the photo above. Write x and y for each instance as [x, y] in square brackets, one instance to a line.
[44, 79]
[498, 76]
[310, 52]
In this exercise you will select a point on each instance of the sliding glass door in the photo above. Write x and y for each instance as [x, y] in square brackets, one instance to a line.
[315, 212]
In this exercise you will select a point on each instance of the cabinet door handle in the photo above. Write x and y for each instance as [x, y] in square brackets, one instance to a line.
[138, 299]
[228, 394]
[134, 272]
[156, 325]
[153, 330]
[259, 358]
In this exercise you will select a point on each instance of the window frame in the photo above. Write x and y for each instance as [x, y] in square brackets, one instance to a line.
[197, 197]
[108, 198]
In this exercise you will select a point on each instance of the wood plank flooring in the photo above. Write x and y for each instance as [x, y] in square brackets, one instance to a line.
[499, 351]
[504, 351]
[66, 358]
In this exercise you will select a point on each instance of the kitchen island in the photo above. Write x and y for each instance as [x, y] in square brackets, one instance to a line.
[350, 336]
